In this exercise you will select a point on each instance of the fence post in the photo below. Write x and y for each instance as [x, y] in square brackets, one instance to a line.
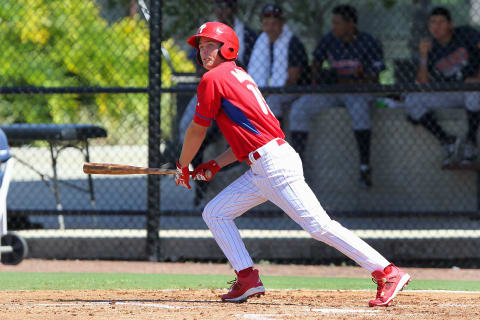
[154, 131]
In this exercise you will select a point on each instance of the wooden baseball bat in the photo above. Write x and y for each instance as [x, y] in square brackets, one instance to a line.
[111, 168]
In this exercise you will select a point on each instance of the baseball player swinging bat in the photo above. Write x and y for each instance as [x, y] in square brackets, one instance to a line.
[111, 168]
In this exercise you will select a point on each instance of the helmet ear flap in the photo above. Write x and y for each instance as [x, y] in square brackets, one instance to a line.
[223, 51]
[227, 52]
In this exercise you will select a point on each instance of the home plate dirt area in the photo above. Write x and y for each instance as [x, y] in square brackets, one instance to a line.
[204, 304]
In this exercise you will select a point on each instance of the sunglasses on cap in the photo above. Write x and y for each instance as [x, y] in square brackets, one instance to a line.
[271, 10]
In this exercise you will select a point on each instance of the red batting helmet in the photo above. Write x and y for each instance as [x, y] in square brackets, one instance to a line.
[221, 33]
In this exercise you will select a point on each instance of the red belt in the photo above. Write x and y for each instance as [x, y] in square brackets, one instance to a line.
[257, 155]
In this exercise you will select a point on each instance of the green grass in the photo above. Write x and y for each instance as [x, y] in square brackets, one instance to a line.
[97, 281]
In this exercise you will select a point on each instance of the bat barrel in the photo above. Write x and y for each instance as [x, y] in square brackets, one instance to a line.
[119, 169]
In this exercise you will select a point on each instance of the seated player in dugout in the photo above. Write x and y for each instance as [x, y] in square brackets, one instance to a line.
[278, 59]
[354, 58]
[450, 54]
[226, 12]
[230, 97]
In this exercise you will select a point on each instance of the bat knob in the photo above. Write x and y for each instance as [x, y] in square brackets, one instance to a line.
[208, 174]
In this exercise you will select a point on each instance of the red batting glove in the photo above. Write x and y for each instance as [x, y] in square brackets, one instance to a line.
[182, 176]
[206, 171]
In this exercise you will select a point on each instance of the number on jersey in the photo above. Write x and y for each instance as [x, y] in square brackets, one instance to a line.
[242, 76]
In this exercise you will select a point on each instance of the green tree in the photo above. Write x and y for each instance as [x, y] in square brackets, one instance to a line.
[68, 43]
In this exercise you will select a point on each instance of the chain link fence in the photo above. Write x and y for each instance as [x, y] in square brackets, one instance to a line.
[378, 97]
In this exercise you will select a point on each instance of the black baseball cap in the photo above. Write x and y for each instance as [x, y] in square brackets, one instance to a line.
[347, 12]
[441, 11]
[272, 10]
[225, 3]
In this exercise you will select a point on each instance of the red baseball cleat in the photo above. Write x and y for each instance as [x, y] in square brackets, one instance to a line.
[389, 282]
[244, 287]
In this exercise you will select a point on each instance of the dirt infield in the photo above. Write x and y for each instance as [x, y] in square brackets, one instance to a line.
[204, 304]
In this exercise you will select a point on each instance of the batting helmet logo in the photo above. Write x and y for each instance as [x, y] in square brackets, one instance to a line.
[221, 33]
[201, 28]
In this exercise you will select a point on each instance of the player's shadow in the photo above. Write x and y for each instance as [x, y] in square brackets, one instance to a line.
[126, 301]
[159, 301]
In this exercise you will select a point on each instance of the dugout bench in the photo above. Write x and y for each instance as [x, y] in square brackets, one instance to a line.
[59, 138]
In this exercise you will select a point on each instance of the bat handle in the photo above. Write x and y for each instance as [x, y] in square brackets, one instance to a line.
[208, 175]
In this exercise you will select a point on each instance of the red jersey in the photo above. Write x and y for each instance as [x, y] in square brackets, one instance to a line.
[228, 95]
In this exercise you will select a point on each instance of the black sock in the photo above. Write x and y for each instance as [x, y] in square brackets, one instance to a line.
[473, 123]
[429, 122]
[363, 144]
[299, 141]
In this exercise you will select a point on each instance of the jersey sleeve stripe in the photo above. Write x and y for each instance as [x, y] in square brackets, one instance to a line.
[200, 116]
[237, 116]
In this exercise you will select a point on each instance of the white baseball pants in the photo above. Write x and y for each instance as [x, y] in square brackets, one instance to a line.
[278, 176]
[417, 104]
[305, 107]
[279, 103]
